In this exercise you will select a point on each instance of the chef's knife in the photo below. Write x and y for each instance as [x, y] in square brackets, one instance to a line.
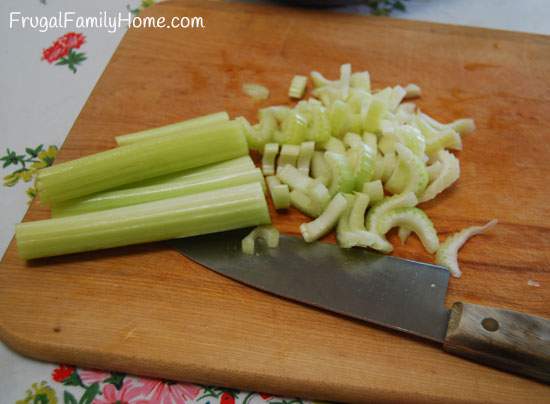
[400, 294]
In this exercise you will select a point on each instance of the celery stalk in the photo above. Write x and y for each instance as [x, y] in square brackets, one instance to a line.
[142, 160]
[172, 129]
[184, 216]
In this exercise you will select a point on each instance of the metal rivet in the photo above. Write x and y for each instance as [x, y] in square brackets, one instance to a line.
[490, 324]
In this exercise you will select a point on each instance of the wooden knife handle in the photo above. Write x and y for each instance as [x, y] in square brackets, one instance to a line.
[504, 339]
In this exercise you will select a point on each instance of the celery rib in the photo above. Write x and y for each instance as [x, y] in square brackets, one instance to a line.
[317, 228]
[267, 233]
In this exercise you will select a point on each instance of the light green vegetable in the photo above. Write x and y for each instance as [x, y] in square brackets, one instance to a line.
[447, 254]
[294, 178]
[141, 160]
[289, 156]
[334, 145]
[319, 129]
[304, 203]
[172, 129]
[413, 219]
[320, 169]
[268, 159]
[361, 158]
[294, 129]
[304, 158]
[403, 234]
[434, 170]
[256, 91]
[297, 86]
[410, 174]
[374, 190]
[450, 171]
[390, 203]
[371, 140]
[267, 233]
[412, 91]
[184, 216]
[280, 193]
[341, 172]
[360, 80]
[317, 228]
[372, 118]
[340, 118]
[358, 210]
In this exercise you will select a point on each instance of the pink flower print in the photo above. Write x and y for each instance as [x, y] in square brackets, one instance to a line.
[164, 392]
[92, 376]
[128, 394]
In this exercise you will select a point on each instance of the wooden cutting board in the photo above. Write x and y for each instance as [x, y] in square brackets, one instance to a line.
[147, 310]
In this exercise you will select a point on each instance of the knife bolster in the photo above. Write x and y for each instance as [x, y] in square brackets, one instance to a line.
[503, 339]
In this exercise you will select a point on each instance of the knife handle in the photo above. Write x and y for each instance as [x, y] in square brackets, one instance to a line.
[504, 339]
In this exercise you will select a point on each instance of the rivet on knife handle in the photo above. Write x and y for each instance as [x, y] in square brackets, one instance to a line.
[504, 339]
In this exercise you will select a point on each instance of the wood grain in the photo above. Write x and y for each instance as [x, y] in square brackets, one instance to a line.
[146, 309]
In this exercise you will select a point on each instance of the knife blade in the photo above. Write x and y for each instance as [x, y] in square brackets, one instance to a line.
[400, 294]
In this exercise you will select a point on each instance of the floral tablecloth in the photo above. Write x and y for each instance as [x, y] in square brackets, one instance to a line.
[45, 78]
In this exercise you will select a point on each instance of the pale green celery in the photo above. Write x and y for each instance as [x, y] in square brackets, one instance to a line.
[408, 108]
[341, 172]
[279, 112]
[334, 145]
[320, 169]
[389, 163]
[304, 203]
[464, 126]
[328, 95]
[297, 86]
[447, 139]
[140, 161]
[173, 186]
[387, 144]
[450, 172]
[414, 219]
[268, 158]
[294, 178]
[374, 190]
[393, 202]
[319, 129]
[317, 228]
[360, 80]
[434, 170]
[357, 99]
[184, 216]
[357, 214]
[304, 158]
[352, 139]
[406, 113]
[319, 194]
[355, 123]
[267, 233]
[172, 129]
[361, 158]
[256, 91]
[343, 222]
[378, 167]
[410, 174]
[447, 254]
[397, 95]
[319, 80]
[345, 77]
[261, 134]
[412, 91]
[373, 116]
[339, 118]
[294, 129]
[280, 193]
[288, 156]
[412, 138]
[371, 140]
[403, 234]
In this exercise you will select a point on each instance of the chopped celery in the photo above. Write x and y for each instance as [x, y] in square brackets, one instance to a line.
[374, 190]
[334, 145]
[339, 118]
[184, 216]
[434, 170]
[279, 112]
[342, 173]
[390, 203]
[319, 80]
[463, 126]
[141, 160]
[319, 129]
[374, 115]
[294, 129]
[352, 139]
[412, 138]
[410, 174]
[267, 233]
[317, 228]
[371, 140]
[268, 159]
[386, 144]
[320, 169]
[361, 158]
[294, 178]
[412, 91]
[357, 214]
[304, 158]
[280, 193]
[345, 77]
[256, 91]
[414, 219]
[397, 95]
[450, 172]
[360, 80]
[389, 164]
[403, 234]
[172, 129]
[319, 194]
[297, 86]
[304, 203]
[447, 139]
[166, 187]
[448, 251]
[289, 155]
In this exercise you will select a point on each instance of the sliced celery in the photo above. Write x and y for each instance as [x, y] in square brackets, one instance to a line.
[319, 129]
[447, 139]
[397, 95]
[360, 80]
[371, 140]
[184, 216]
[361, 158]
[294, 129]
[345, 77]
[319, 194]
[358, 210]
[320, 169]
[334, 145]
[434, 170]
[339, 118]
[304, 203]
[319, 80]
[447, 254]
[262, 133]
[404, 234]
[294, 178]
[450, 172]
[389, 164]
[289, 155]
[279, 112]
[390, 203]
[304, 158]
[280, 193]
[267, 233]
[256, 91]
[374, 190]
[412, 91]
[342, 173]
[297, 86]
[414, 219]
[172, 129]
[268, 158]
[410, 174]
[374, 115]
[352, 140]
[317, 228]
[142, 160]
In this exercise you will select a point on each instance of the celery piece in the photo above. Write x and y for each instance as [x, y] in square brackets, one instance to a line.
[393, 202]
[447, 254]
[172, 129]
[397, 95]
[339, 118]
[373, 116]
[342, 173]
[387, 143]
[412, 138]
[304, 203]
[142, 160]
[434, 170]
[319, 129]
[358, 98]
[361, 158]
[414, 219]
[294, 178]
[320, 169]
[403, 234]
[294, 129]
[184, 216]
[371, 140]
[319, 80]
[262, 133]
[304, 158]
[267, 233]
[268, 159]
[289, 156]
[317, 228]
[412, 91]
[256, 91]
[447, 139]
[358, 210]
[352, 139]
[410, 174]
[335, 145]
[450, 171]
[360, 80]
[297, 86]
[279, 112]
[463, 126]
[345, 77]
[389, 164]
[374, 190]
[166, 187]
[319, 194]
[280, 193]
